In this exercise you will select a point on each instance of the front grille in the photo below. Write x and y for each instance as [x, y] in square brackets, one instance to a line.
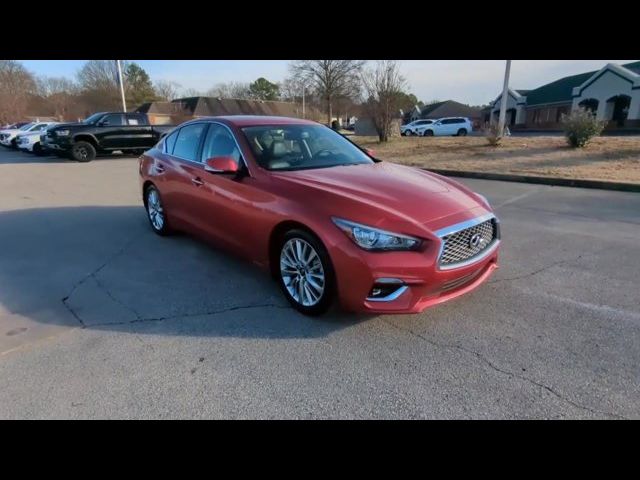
[463, 245]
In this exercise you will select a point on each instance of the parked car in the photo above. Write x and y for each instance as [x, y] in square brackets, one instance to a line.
[327, 218]
[411, 128]
[104, 132]
[30, 141]
[8, 136]
[454, 126]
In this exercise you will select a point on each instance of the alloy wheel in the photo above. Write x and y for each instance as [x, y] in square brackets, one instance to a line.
[155, 210]
[302, 272]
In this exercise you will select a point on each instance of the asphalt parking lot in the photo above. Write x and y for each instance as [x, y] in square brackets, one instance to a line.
[100, 318]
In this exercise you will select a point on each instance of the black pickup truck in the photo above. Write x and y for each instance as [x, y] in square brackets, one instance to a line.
[101, 133]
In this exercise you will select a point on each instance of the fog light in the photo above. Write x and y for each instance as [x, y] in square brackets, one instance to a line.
[386, 290]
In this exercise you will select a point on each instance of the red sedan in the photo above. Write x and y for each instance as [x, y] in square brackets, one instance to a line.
[328, 219]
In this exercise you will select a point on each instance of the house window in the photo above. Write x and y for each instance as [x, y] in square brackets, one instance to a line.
[560, 112]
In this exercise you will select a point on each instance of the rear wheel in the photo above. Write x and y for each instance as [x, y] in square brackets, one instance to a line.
[306, 274]
[462, 132]
[156, 212]
[83, 151]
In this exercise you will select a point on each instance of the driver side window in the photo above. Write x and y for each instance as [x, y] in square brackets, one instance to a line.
[219, 143]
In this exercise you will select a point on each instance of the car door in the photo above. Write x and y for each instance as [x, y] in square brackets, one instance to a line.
[225, 205]
[139, 133]
[448, 126]
[110, 131]
[181, 172]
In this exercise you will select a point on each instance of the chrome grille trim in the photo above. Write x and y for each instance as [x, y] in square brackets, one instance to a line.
[460, 255]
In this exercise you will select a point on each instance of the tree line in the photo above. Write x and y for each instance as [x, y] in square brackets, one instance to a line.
[340, 88]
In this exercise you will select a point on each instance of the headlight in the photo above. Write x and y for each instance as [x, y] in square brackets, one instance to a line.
[62, 133]
[373, 239]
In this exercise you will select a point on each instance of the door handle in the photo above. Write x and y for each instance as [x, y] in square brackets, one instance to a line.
[160, 168]
[197, 182]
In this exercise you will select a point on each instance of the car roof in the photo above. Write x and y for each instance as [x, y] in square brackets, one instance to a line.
[259, 120]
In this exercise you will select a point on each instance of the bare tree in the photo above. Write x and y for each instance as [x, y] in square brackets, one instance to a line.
[230, 90]
[330, 78]
[48, 86]
[16, 85]
[59, 92]
[383, 87]
[167, 90]
[98, 79]
[191, 92]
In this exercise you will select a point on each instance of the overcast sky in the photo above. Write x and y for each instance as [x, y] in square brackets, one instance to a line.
[475, 82]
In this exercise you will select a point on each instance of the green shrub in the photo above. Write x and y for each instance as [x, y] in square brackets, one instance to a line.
[580, 126]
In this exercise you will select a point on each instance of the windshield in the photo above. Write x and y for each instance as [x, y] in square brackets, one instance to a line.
[298, 147]
[27, 126]
[93, 118]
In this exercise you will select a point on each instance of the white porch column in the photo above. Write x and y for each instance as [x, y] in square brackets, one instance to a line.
[634, 106]
[602, 110]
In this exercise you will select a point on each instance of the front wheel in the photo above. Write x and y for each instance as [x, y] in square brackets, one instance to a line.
[306, 273]
[37, 150]
[83, 151]
[408, 133]
[428, 133]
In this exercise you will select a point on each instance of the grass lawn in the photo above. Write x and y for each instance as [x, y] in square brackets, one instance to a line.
[605, 158]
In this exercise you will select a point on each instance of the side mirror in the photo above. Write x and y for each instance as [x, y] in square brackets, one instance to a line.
[370, 152]
[221, 165]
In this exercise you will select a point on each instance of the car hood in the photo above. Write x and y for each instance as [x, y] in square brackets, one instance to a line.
[66, 125]
[357, 192]
[11, 131]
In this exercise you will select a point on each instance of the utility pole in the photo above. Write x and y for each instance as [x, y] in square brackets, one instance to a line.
[503, 100]
[303, 101]
[124, 103]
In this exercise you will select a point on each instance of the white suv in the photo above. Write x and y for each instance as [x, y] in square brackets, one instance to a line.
[8, 137]
[30, 141]
[455, 126]
[411, 128]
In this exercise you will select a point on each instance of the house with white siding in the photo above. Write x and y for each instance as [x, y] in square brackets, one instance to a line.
[611, 93]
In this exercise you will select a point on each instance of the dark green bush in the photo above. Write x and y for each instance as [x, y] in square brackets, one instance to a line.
[580, 126]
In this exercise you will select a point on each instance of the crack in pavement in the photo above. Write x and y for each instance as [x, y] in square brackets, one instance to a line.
[505, 372]
[93, 274]
[196, 314]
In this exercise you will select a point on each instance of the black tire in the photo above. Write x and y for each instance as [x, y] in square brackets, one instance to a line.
[162, 229]
[14, 144]
[37, 149]
[83, 152]
[428, 133]
[327, 297]
[462, 132]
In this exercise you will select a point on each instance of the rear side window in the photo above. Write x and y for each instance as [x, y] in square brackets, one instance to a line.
[136, 119]
[170, 142]
[188, 141]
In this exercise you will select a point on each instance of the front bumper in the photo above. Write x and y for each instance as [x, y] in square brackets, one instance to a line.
[420, 281]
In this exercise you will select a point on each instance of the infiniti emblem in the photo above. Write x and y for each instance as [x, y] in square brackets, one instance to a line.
[475, 240]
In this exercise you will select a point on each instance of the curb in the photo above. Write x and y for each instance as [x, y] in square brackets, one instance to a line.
[557, 182]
